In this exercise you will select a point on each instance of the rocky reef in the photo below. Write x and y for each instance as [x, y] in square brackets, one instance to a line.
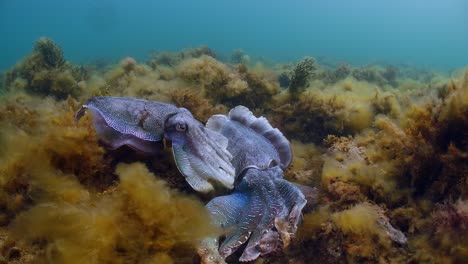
[385, 145]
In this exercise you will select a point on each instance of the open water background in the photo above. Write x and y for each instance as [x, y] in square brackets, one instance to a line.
[425, 33]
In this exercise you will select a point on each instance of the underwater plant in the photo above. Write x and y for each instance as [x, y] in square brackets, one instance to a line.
[129, 223]
[49, 52]
[206, 72]
[388, 153]
[261, 87]
[201, 107]
[227, 85]
[62, 201]
[284, 80]
[44, 72]
[158, 59]
[239, 57]
[301, 74]
[2, 83]
[333, 75]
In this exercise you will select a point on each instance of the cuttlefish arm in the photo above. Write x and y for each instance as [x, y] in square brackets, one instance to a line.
[263, 212]
[200, 154]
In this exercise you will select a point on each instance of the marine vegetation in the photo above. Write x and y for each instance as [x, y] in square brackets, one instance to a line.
[385, 145]
[239, 57]
[301, 74]
[46, 72]
[158, 59]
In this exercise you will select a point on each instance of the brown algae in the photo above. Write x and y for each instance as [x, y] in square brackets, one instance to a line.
[386, 146]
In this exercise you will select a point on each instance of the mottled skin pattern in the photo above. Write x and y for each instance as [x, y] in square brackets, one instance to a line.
[264, 209]
[238, 150]
[200, 154]
[261, 199]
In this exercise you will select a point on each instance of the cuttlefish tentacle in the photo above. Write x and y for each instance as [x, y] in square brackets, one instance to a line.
[226, 210]
[252, 250]
[238, 221]
[294, 199]
[267, 184]
[248, 220]
[262, 211]
[226, 213]
[274, 206]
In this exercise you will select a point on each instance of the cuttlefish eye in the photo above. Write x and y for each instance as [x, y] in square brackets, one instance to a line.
[181, 127]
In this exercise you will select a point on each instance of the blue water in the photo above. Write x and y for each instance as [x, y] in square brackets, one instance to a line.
[431, 33]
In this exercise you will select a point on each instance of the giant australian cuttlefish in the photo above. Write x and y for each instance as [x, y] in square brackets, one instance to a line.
[260, 212]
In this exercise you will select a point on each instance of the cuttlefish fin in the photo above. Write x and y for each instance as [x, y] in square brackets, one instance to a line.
[133, 122]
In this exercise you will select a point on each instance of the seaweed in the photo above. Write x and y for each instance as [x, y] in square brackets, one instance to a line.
[386, 75]
[45, 72]
[386, 146]
[284, 80]
[198, 105]
[369, 74]
[128, 78]
[446, 223]
[301, 74]
[341, 72]
[58, 192]
[333, 75]
[2, 83]
[261, 87]
[239, 57]
[128, 221]
[306, 167]
[344, 108]
[226, 85]
[50, 53]
[171, 59]
[206, 72]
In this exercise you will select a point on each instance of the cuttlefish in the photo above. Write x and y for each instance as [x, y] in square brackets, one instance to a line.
[240, 152]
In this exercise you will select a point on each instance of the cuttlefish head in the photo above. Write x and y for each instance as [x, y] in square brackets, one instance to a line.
[201, 154]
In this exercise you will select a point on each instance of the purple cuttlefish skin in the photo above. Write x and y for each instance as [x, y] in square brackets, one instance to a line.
[200, 153]
[264, 209]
